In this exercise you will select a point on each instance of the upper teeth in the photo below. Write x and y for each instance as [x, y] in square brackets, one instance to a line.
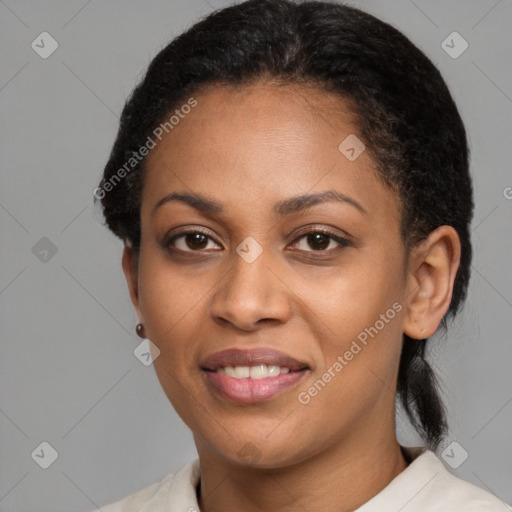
[254, 372]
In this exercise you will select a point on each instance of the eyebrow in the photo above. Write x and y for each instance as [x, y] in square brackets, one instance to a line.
[285, 207]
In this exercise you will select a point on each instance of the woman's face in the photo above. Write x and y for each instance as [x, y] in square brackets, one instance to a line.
[249, 277]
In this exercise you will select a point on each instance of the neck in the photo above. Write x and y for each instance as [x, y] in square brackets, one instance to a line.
[340, 479]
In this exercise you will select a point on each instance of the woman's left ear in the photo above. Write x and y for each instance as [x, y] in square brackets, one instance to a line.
[432, 268]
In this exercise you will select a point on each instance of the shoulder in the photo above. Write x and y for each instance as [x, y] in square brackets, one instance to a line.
[138, 499]
[442, 491]
[173, 488]
[427, 486]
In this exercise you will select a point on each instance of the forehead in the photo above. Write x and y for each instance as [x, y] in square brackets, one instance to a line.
[266, 140]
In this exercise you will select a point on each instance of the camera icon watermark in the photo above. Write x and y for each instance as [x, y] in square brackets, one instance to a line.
[249, 250]
[44, 45]
[44, 455]
[454, 45]
[352, 147]
[146, 352]
[507, 192]
[44, 250]
[454, 455]
[249, 453]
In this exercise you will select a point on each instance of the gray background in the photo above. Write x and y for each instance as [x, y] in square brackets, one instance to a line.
[69, 375]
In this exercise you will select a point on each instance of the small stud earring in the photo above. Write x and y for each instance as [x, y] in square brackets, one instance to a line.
[140, 331]
[422, 331]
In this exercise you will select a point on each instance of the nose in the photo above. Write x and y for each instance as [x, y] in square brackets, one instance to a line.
[250, 295]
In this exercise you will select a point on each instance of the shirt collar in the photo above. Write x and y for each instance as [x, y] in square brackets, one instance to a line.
[180, 491]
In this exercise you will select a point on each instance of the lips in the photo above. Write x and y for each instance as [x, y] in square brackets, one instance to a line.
[236, 374]
[239, 357]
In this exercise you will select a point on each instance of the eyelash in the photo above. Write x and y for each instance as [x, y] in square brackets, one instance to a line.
[343, 242]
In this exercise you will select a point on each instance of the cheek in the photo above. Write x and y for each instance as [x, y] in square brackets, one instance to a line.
[170, 304]
[164, 295]
[358, 377]
[349, 300]
[361, 347]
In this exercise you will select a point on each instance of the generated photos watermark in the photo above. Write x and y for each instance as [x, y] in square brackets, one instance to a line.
[137, 156]
[304, 397]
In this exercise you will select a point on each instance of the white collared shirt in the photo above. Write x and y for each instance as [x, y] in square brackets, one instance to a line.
[424, 486]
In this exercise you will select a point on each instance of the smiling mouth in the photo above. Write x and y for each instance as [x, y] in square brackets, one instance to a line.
[250, 389]
[255, 372]
[252, 376]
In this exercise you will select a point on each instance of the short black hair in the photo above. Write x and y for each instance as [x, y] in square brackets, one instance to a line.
[405, 112]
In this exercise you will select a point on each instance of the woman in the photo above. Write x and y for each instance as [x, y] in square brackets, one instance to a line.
[291, 185]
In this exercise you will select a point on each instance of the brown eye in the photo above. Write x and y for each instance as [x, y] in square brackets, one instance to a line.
[196, 240]
[190, 241]
[320, 241]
